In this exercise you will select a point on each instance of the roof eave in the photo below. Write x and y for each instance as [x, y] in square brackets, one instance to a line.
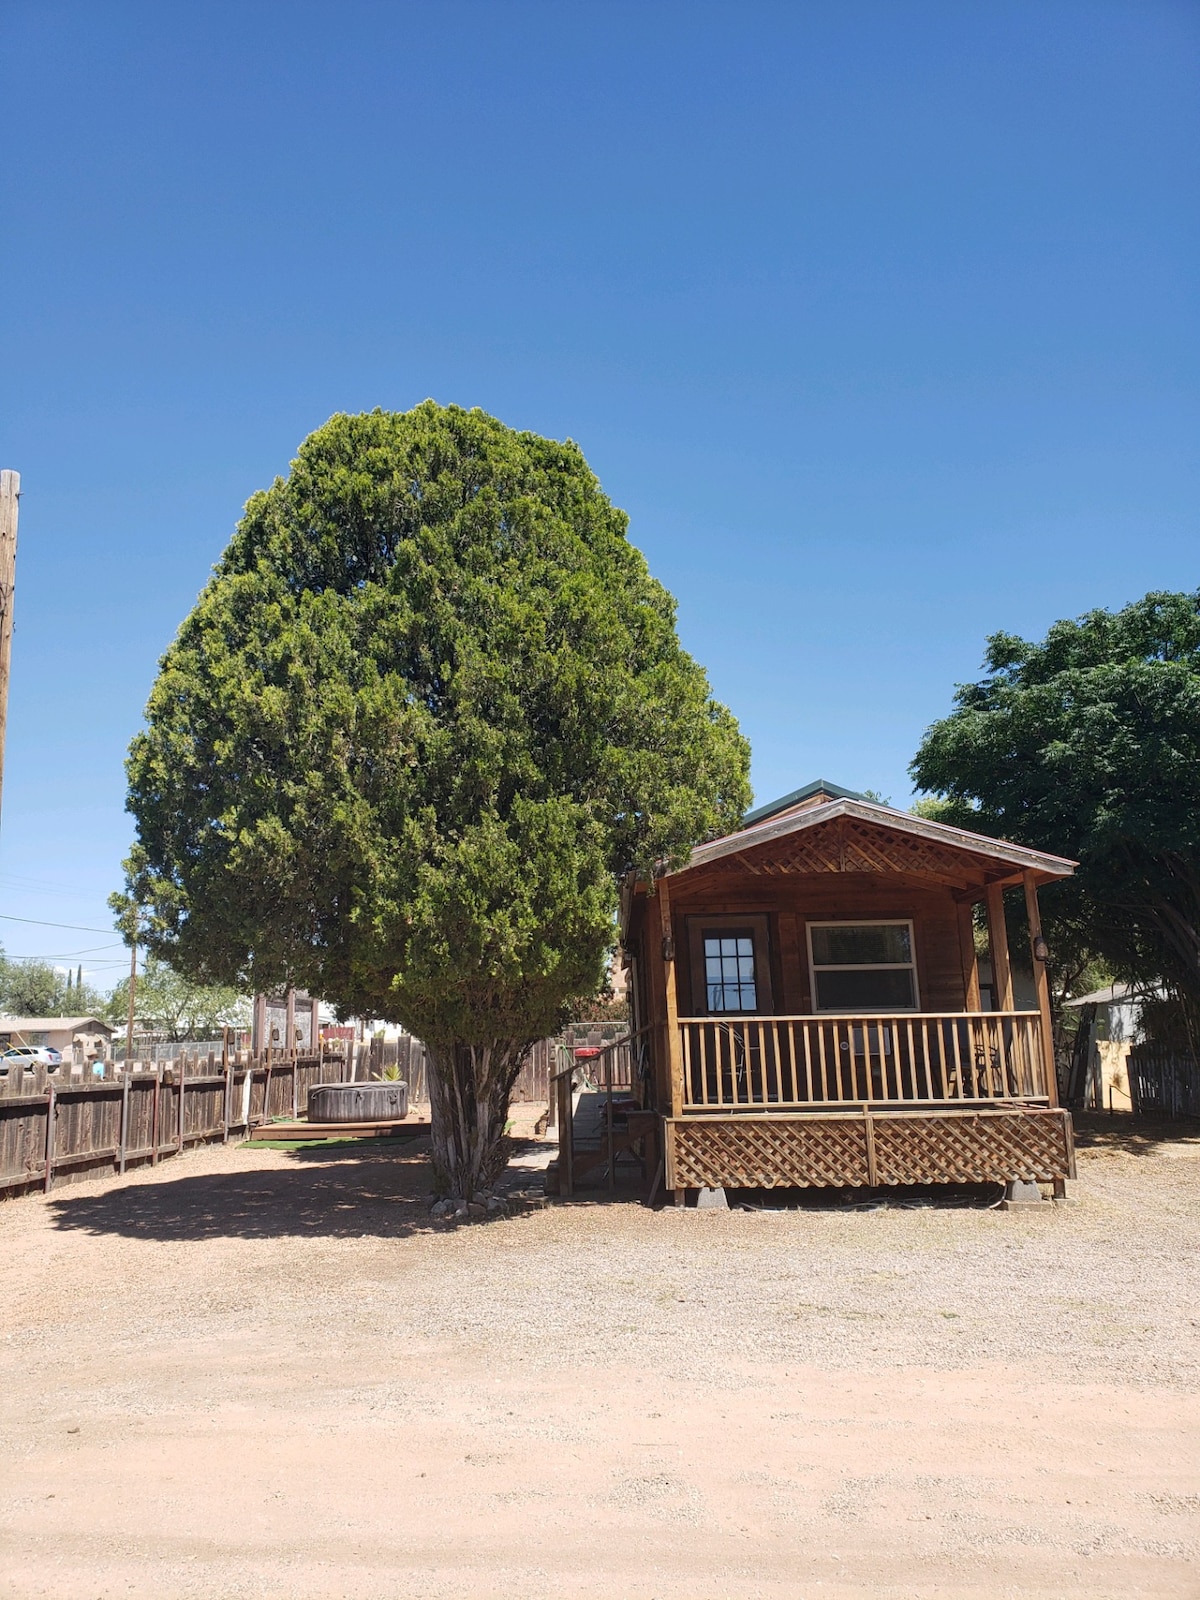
[1002, 851]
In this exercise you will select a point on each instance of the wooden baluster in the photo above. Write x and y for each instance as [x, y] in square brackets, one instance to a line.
[912, 1061]
[999, 1083]
[983, 1086]
[956, 1035]
[814, 1056]
[843, 1039]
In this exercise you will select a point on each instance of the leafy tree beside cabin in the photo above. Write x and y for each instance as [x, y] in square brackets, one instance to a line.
[1088, 744]
[428, 709]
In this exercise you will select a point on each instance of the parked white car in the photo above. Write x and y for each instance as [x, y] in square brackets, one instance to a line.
[31, 1055]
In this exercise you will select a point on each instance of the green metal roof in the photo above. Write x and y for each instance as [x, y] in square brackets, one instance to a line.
[818, 786]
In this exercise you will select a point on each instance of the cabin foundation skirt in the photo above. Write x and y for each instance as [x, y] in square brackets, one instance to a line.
[867, 1150]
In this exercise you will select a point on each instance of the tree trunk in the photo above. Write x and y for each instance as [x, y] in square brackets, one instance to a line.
[469, 1089]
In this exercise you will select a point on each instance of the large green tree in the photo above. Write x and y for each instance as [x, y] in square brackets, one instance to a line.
[428, 709]
[1088, 745]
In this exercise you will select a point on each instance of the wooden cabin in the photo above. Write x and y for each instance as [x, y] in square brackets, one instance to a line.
[808, 988]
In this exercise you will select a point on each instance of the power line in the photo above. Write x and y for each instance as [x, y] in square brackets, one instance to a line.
[76, 927]
[64, 955]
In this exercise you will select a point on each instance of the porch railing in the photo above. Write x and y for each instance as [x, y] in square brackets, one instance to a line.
[617, 1066]
[788, 1063]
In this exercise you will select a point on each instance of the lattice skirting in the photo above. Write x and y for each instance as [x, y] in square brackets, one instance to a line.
[868, 1151]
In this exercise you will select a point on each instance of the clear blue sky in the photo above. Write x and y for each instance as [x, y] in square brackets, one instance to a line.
[879, 319]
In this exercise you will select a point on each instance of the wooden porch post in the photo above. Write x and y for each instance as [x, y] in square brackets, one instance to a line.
[1042, 984]
[1002, 989]
[970, 956]
[671, 1007]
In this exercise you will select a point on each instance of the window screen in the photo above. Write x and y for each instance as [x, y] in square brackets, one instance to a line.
[729, 971]
[863, 966]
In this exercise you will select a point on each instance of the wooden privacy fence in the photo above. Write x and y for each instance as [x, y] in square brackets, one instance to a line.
[805, 1061]
[1163, 1083]
[406, 1054]
[53, 1125]
[411, 1058]
[86, 1127]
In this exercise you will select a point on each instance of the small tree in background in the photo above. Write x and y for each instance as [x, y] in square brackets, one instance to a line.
[1088, 745]
[165, 1002]
[427, 710]
[36, 989]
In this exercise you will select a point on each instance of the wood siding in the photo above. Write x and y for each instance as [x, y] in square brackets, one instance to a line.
[789, 903]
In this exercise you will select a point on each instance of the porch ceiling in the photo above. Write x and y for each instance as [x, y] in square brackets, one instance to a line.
[858, 836]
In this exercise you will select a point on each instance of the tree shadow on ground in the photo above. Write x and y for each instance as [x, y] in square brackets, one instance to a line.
[1136, 1136]
[344, 1194]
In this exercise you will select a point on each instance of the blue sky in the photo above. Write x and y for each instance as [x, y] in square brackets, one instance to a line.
[880, 320]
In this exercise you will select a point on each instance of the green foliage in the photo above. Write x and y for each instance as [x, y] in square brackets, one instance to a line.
[428, 708]
[934, 809]
[1088, 745]
[36, 989]
[169, 1004]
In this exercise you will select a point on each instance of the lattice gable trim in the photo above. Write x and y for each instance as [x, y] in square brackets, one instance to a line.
[848, 845]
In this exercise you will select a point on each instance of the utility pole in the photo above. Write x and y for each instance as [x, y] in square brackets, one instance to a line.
[132, 990]
[10, 493]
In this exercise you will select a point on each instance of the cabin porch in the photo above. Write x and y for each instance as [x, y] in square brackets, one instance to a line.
[808, 992]
[822, 1102]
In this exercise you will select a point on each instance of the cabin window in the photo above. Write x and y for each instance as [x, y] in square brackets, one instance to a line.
[730, 964]
[729, 971]
[862, 966]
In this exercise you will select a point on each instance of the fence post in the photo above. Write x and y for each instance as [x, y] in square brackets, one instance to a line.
[228, 1084]
[50, 1108]
[158, 1075]
[124, 1140]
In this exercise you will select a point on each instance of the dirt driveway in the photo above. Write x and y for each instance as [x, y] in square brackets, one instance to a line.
[251, 1373]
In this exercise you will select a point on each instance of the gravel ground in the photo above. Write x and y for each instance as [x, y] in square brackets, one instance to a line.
[260, 1373]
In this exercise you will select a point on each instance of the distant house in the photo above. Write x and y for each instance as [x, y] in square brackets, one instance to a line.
[59, 1033]
[1110, 1024]
[809, 996]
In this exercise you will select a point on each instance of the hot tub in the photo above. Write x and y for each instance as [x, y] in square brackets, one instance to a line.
[358, 1102]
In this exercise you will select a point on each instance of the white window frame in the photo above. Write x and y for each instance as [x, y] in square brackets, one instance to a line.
[864, 966]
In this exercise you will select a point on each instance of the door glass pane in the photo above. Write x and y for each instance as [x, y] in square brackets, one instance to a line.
[729, 973]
